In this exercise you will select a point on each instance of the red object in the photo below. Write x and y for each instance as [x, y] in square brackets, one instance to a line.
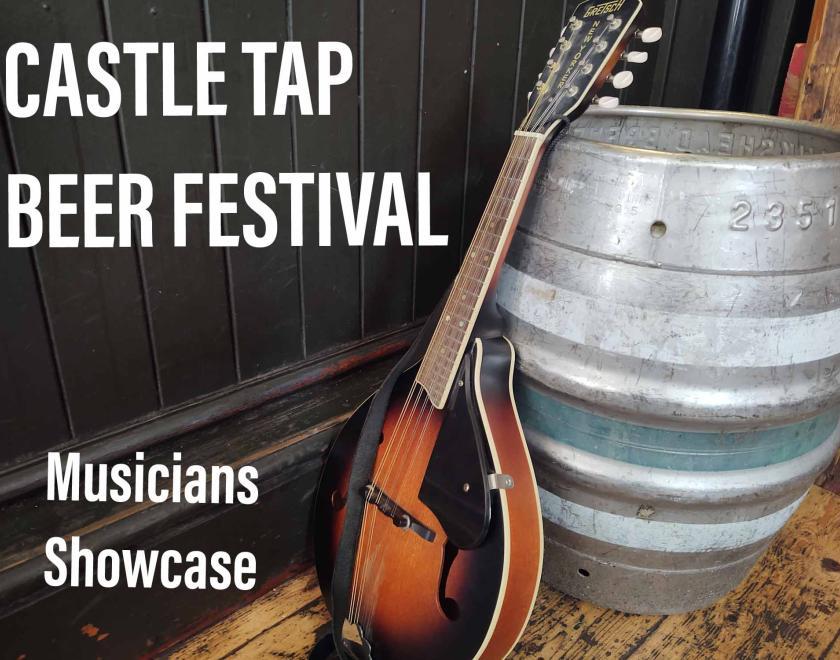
[793, 81]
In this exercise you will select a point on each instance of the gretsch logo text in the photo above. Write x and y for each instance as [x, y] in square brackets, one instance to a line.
[604, 8]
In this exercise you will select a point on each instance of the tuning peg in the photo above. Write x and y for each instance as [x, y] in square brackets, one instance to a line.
[635, 57]
[605, 101]
[551, 52]
[621, 79]
[649, 35]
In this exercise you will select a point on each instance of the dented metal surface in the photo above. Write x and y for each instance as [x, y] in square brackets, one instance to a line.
[685, 289]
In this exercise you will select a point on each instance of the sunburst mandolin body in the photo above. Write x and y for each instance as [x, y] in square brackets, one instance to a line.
[431, 599]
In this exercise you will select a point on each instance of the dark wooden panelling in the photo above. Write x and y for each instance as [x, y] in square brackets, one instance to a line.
[32, 415]
[695, 26]
[390, 57]
[782, 25]
[93, 296]
[541, 26]
[265, 280]
[20, 479]
[493, 83]
[186, 286]
[331, 276]
[446, 91]
[649, 79]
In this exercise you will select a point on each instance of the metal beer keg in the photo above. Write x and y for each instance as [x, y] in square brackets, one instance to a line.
[673, 293]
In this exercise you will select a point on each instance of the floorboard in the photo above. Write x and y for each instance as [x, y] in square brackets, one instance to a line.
[789, 606]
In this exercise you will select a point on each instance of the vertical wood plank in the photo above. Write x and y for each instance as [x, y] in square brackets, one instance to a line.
[186, 286]
[265, 280]
[32, 417]
[389, 55]
[494, 78]
[778, 31]
[542, 24]
[650, 80]
[692, 43]
[446, 68]
[331, 275]
[93, 296]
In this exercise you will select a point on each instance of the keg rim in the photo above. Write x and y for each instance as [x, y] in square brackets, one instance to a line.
[714, 115]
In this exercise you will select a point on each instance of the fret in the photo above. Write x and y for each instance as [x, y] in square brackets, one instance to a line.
[478, 257]
[507, 199]
[461, 311]
[480, 249]
[454, 334]
[480, 242]
[473, 279]
[463, 302]
[455, 331]
[488, 238]
[491, 221]
[488, 231]
[480, 261]
[497, 217]
[499, 206]
[477, 247]
[454, 345]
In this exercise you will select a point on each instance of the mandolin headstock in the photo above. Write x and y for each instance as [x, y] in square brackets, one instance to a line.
[590, 45]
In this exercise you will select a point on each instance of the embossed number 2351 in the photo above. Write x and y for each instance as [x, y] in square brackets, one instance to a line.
[742, 211]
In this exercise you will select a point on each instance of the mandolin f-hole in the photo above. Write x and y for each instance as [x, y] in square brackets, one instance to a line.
[448, 605]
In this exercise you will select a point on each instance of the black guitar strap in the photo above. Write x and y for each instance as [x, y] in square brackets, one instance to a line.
[360, 474]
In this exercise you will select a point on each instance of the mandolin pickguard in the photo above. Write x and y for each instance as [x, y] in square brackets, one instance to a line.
[455, 487]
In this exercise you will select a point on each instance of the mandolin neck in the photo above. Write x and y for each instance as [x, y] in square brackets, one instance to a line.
[481, 267]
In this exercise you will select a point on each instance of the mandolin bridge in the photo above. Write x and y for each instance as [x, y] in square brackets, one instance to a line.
[400, 517]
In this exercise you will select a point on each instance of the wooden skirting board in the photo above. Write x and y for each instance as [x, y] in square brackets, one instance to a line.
[789, 606]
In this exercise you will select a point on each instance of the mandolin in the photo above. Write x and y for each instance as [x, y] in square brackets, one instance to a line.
[428, 533]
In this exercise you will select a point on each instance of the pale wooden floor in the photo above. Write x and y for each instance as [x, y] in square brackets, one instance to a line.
[789, 607]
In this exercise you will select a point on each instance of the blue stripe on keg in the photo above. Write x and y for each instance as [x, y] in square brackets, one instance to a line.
[671, 450]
